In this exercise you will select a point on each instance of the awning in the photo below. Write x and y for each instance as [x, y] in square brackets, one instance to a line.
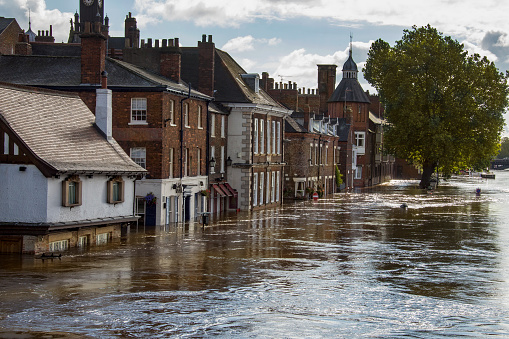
[226, 190]
[219, 190]
[234, 192]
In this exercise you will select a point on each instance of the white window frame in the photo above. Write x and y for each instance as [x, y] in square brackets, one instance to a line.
[262, 137]
[262, 184]
[139, 156]
[273, 184]
[138, 111]
[59, 245]
[311, 147]
[213, 156]
[199, 122]
[185, 107]
[360, 142]
[274, 137]
[213, 125]
[358, 172]
[278, 183]
[267, 189]
[186, 162]
[6, 143]
[279, 137]
[170, 164]
[255, 189]
[222, 160]
[223, 126]
[269, 142]
[172, 113]
[326, 154]
[255, 136]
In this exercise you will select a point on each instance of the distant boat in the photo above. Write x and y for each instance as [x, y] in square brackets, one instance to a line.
[488, 175]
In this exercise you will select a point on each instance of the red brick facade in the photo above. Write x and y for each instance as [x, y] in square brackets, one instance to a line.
[9, 38]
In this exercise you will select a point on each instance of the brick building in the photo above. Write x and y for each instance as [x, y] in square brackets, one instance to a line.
[160, 122]
[9, 35]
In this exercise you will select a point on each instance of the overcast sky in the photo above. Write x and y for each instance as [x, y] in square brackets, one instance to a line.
[288, 38]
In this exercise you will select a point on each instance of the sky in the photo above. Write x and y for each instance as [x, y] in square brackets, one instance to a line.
[288, 38]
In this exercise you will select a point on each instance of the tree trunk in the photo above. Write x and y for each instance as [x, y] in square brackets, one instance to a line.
[427, 171]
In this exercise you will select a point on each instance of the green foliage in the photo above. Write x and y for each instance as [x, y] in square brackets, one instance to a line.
[444, 107]
[504, 149]
[339, 177]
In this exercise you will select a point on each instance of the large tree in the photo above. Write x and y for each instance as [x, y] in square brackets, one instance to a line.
[504, 149]
[444, 107]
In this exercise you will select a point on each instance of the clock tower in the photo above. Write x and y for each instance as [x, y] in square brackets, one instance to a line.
[91, 11]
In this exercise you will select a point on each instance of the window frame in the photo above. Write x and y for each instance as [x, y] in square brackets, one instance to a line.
[172, 113]
[185, 107]
[133, 158]
[199, 123]
[66, 191]
[111, 190]
[223, 126]
[255, 136]
[213, 125]
[136, 111]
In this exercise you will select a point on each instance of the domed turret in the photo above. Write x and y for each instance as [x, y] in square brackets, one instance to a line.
[350, 69]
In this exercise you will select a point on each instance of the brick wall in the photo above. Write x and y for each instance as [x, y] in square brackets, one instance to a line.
[93, 57]
[9, 38]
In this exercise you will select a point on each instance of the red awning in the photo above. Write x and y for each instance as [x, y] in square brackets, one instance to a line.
[234, 192]
[226, 190]
[218, 190]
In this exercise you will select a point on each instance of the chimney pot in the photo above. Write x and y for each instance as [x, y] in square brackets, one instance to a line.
[204, 38]
[177, 42]
[156, 43]
[149, 42]
[165, 43]
[170, 42]
[210, 38]
[104, 79]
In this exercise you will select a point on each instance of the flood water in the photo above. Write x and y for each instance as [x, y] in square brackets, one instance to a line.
[353, 266]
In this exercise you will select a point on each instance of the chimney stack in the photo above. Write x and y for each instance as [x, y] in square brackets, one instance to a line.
[326, 84]
[103, 107]
[206, 61]
[93, 55]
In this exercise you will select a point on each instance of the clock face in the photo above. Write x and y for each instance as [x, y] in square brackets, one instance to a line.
[100, 3]
[88, 2]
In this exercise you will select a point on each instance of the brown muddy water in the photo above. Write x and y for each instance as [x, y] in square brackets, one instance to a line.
[353, 266]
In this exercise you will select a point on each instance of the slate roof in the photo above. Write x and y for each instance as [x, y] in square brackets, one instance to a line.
[60, 72]
[292, 126]
[59, 130]
[4, 23]
[343, 129]
[228, 82]
[353, 90]
[349, 64]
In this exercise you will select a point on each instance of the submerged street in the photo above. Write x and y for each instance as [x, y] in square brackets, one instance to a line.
[353, 266]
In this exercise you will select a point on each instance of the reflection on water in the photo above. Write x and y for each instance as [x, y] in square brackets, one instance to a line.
[356, 265]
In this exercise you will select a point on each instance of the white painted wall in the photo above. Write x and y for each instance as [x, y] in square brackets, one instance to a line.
[30, 197]
[93, 200]
[162, 188]
[23, 195]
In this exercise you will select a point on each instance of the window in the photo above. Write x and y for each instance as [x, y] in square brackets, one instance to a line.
[222, 159]
[360, 142]
[138, 111]
[310, 154]
[103, 238]
[262, 137]
[171, 162]
[268, 138]
[59, 246]
[198, 161]
[186, 114]
[199, 124]
[186, 162]
[326, 154]
[223, 126]
[71, 191]
[274, 137]
[83, 241]
[212, 125]
[172, 112]
[358, 172]
[278, 181]
[278, 137]
[212, 156]
[255, 189]
[267, 191]
[139, 156]
[316, 154]
[6, 143]
[115, 190]
[255, 136]
[273, 185]
[262, 180]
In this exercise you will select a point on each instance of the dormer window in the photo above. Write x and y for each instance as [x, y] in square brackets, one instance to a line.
[253, 81]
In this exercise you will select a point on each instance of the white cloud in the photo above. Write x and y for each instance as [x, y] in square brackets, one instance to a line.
[239, 44]
[247, 43]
